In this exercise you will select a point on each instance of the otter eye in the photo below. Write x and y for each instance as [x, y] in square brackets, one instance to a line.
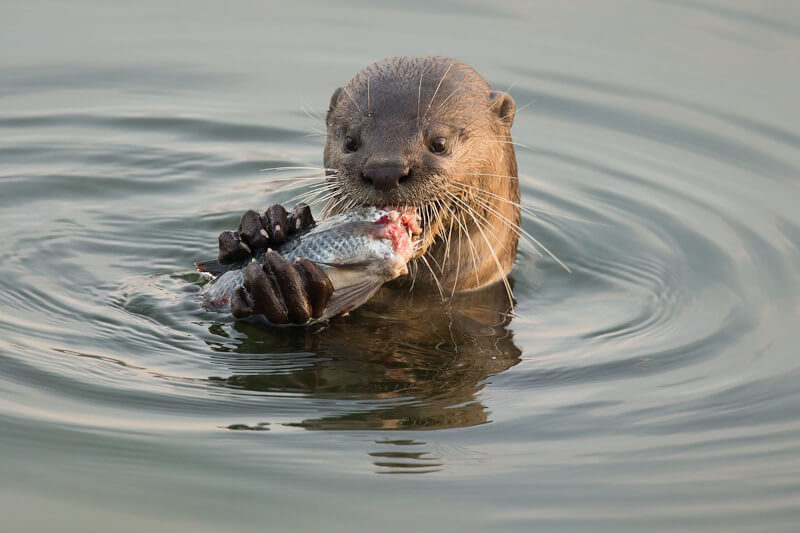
[438, 145]
[350, 144]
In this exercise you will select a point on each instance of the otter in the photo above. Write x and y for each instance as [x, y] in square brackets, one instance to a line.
[427, 133]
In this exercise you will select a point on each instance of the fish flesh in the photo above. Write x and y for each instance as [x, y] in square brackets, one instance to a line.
[358, 250]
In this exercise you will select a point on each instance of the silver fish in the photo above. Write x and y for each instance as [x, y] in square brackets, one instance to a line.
[358, 250]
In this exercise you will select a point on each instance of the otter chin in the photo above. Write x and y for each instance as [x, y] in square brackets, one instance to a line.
[430, 134]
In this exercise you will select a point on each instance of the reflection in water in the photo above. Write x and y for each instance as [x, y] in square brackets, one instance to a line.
[410, 361]
[659, 385]
[405, 458]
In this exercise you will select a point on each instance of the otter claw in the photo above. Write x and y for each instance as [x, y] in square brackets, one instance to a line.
[300, 218]
[230, 249]
[280, 291]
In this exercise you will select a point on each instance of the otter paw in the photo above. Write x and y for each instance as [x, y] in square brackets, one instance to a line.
[283, 292]
[258, 231]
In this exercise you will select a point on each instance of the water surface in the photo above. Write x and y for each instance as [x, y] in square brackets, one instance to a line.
[654, 387]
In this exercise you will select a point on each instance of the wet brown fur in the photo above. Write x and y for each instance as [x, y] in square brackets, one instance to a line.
[395, 107]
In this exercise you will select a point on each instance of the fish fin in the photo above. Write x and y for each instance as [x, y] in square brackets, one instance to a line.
[213, 267]
[351, 297]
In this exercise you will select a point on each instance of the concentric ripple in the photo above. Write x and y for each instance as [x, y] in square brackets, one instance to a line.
[655, 385]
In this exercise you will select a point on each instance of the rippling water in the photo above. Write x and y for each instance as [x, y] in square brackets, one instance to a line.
[655, 386]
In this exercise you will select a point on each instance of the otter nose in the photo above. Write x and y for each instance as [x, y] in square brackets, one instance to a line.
[386, 174]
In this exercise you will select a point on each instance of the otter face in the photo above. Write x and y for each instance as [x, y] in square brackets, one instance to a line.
[402, 126]
[406, 132]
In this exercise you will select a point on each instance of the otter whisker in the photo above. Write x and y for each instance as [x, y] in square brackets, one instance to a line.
[484, 202]
[342, 205]
[447, 242]
[458, 262]
[332, 204]
[413, 268]
[312, 194]
[317, 198]
[315, 193]
[474, 251]
[471, 212]
[309, 178]
[308, 201]
[281, 169]
[303, 177]
[323, 186]
[510, 142]
[490, 175]
[454, 91]
[419, 92]
[517, 229]
[353, 99]
[309, 111]
[435, 279]
[433, 220]
[437, 88]
[436, 262]
[317, 201]
[465, 111]
[521, 232]
[531, 211]
[436, 219]
[515, 111]
[295, 185]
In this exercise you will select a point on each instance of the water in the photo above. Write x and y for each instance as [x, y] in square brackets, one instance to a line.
[655, 387]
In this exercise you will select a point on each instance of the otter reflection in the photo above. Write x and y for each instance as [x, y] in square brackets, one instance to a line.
[407, 361]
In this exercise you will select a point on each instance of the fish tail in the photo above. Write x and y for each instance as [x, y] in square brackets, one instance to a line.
[350, 297]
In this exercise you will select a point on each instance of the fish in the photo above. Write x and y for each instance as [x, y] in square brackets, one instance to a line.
[358, 250]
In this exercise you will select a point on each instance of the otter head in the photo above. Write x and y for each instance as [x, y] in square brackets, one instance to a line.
[417, 131]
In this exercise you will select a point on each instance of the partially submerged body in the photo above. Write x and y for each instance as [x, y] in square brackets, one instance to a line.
[425, 133]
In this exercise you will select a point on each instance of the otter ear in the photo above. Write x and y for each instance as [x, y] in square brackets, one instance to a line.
[502, 105]
[334, 99]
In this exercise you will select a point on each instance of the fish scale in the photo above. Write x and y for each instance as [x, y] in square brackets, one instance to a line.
[358, 250]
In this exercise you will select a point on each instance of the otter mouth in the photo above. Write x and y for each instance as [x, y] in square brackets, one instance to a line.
[428, 221]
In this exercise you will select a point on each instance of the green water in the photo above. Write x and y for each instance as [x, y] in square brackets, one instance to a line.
[654, 388]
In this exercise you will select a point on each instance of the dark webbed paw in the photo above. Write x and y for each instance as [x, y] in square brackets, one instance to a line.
[283, 292]
[257, 231]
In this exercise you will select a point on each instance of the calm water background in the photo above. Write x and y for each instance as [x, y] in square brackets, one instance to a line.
[655, 387]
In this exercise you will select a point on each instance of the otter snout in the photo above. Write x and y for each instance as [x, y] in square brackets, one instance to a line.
[386, 173]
